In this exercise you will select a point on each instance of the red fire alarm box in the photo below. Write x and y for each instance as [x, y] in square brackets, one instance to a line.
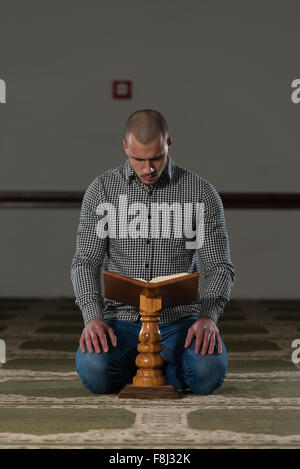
[121, 89]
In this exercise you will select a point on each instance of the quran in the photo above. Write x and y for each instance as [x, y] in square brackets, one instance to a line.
[174, 289]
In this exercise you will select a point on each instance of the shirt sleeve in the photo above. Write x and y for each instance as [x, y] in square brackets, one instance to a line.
[89, 256]
[214, 257]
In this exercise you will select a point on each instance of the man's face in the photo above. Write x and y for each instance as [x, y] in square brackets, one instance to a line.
[148, 161]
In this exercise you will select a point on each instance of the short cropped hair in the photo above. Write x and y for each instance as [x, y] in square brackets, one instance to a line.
[146, 125]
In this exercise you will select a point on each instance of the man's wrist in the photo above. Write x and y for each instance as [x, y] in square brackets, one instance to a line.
[211, 316]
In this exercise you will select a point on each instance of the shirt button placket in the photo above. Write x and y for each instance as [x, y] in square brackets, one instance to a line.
[148, 240]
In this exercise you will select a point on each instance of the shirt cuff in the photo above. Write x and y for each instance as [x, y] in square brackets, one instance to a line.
[91, 311]
[211, 308]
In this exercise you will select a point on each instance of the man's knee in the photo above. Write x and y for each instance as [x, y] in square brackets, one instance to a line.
[93, 369]
[206, 384]
[205, 374]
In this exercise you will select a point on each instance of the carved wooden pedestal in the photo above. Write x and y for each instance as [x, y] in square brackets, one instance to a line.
[149, 382]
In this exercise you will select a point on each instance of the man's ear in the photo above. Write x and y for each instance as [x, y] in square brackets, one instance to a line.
[169, 141]
[125, 146]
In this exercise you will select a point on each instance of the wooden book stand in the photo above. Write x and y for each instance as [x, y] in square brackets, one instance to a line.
[150, 298]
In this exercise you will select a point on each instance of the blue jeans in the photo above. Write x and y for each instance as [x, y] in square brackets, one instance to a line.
[108, 372]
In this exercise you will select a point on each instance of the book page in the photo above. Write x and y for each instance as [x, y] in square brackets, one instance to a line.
[163, 278]
[167, 277]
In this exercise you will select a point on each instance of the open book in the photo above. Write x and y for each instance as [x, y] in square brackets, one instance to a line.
[174, 289]
[163, 278]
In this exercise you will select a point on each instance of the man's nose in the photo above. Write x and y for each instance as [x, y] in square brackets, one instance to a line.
[148, 168]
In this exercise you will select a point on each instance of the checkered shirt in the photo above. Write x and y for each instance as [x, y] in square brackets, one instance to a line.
[149, 257]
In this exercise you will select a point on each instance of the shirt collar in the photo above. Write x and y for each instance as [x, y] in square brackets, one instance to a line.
[168, 171]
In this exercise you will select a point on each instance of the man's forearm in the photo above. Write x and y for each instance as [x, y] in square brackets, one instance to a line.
[216, 292]
[86, 284]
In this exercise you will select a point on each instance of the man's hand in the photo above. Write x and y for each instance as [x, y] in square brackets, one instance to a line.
[206, 333]
[95, 331]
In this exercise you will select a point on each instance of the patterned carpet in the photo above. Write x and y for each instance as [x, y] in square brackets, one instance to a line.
[44, 405]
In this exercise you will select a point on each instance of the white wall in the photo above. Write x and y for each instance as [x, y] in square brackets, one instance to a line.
[219, 71]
